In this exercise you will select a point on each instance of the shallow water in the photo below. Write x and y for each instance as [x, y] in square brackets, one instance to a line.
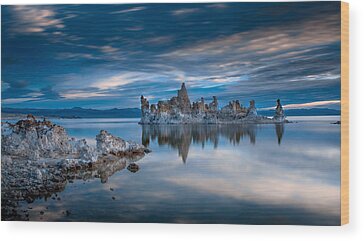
[256, 174]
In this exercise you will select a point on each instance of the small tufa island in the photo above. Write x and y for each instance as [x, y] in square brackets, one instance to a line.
[179, 110]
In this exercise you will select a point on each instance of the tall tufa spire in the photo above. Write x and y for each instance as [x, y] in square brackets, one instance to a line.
[183, 99]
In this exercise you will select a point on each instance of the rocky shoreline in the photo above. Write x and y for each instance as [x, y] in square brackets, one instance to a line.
[38, 159]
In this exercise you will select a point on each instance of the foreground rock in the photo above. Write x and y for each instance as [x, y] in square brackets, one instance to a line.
[32, 139]
[179, 110]
[38, 159]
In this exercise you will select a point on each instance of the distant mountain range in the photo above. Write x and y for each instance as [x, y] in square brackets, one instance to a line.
[78, 112]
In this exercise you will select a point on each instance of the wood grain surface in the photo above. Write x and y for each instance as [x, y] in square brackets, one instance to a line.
[344, 113]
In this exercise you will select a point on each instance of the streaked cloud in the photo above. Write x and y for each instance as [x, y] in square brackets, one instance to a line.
[271, 40]
[313, 104]
[324, 103]
[112, 82]
[35, 19]
[18, 100]
[216, 49]
[80, 94]
[217, 5]
[108, 49]
[129, 10]
[159, 40]
[184, 11]
[76, 56]
[134, 28]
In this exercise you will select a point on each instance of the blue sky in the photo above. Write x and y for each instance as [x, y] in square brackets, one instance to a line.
[106, 56]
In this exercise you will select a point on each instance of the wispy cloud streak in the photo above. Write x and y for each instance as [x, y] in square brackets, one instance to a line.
[314, 104]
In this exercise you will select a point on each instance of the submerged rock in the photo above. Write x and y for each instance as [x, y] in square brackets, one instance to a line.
[132, 167]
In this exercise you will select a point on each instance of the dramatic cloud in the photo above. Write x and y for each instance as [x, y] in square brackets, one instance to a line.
[35, 19]
[116, 53]
[324, 103]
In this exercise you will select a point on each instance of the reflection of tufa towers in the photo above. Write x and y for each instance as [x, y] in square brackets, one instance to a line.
[180, 137]
[279, 132]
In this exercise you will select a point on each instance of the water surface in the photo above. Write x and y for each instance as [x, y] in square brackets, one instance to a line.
[254, 174]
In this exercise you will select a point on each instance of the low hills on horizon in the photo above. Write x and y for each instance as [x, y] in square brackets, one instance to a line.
[78, 112]
[75, 112]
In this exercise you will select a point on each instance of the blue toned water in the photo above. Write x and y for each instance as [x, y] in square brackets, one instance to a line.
[265, 174]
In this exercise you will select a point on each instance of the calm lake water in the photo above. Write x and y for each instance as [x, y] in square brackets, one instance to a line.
[258, 174]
